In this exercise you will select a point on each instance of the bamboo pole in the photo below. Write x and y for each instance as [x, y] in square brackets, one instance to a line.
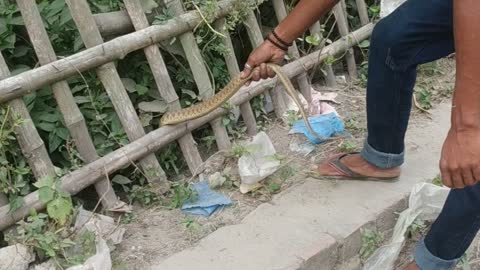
[75, 181]
[302, 79]
[164, 83]
[32, 146]
[362, 12]
[234, 70]
[200, 74]
[343, 29]
[256, 39]
[29, 81]
[110, 79]
[72, 116]
[330, 75]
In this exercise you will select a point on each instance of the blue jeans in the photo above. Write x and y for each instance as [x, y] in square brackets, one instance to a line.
[418, 32]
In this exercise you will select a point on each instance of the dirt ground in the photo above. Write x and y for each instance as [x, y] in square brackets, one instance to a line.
[159, 232]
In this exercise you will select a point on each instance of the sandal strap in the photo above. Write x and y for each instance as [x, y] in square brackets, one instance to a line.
[344, 169]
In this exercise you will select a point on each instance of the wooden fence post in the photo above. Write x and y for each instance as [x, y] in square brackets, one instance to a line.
[362, 12]
[74, 120]
[200, 74]
[302, 79]
[342, 24]
[32, 146]
[164, 83]
[234, 70]
[256, 38]
[108, 74]
[330, 75]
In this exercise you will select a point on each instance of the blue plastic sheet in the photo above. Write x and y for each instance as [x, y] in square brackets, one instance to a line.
[326, 125]
[207, 201]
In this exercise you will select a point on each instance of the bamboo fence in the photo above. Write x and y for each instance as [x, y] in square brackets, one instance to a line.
[136, 33]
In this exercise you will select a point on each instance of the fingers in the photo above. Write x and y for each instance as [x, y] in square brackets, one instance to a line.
[256, 75]
[468, 178]
[263, 71]
[446, 177]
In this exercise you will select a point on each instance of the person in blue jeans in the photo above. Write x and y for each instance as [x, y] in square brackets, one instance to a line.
[419, 31]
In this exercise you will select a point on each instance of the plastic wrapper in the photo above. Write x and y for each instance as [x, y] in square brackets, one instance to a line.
[388, 6]
[258, 163]
[425, 203]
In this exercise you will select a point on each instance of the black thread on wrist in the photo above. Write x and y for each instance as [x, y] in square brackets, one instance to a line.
[284, 43]
[277, 45]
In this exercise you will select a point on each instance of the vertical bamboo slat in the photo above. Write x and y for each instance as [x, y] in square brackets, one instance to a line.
[362, 12]
[302, 79]
[164, 83]
[110, 79]
[200, 74]
[72, 116]
[256, 39]
[343, 29]
[330, 76]
[32, 146]
[234, 70]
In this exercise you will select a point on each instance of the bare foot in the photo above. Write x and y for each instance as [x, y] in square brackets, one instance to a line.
[358, 165]
[412, 266]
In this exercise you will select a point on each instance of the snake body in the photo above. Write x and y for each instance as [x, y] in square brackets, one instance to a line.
[210, 104]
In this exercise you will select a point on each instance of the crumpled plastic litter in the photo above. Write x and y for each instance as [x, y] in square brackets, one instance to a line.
[326, 125]
[105, 226]
[388, 6]
[258, 163]
[304, 148]
[318, 106]
[100, 261]
[207, 201]
[425, 203]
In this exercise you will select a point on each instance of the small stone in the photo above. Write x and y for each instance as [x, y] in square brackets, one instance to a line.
[48, 265]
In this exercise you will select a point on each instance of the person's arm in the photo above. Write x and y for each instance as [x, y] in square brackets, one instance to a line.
[460, 161]
[303, 16]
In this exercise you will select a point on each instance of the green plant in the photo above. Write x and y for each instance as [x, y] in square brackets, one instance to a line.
[272, 187]
[191, 224]
[144, 195]
[437, 181]
[371, 240]
[127, 218]
[415, 228]
[182, 192]
[347, 146]
[292, 117]
[59, 203]
[424, 97]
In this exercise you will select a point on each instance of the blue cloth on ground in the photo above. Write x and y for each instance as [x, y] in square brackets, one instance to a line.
[207, 201]
[325, 125]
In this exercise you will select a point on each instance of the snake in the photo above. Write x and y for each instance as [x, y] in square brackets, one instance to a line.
[208, 105]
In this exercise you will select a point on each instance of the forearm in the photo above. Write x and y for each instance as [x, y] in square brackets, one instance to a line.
[303, 16]
[466, 100]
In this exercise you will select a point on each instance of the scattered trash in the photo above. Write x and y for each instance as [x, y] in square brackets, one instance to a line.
[216, 180]
[258, 163]
[100, 261]
[16, 257]
[207, 201]
[48, 265]
[304, 148]
[320, 103]
[101, 225]
[325, 125]
[425, 203]
[388, 6]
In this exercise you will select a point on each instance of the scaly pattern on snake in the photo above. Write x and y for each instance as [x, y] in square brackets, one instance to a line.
[210, 104]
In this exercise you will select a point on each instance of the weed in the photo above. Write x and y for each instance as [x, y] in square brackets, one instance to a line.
[424, 97]
[182, 192]
[437, 181]
[347, 146]
[371, 240]
[144, 195]
[239, 150]
[353, 124]
[191, 224]
[286, 172]
[272, 187]
[291, 118]
[415, 228]
[127, 218]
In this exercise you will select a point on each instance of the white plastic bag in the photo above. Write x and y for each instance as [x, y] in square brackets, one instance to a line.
[258, 163]
[425, 203]
[388, 6]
